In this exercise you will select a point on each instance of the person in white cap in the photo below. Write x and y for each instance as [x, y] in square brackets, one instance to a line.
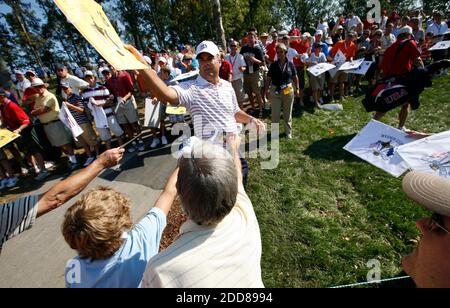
[428, 265]
[22, 83]
[399, 59]
[46, 108]
[210, 100]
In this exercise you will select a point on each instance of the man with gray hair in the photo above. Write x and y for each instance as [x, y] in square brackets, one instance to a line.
[220, 244]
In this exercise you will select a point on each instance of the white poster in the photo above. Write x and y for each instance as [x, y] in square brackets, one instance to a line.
[351, 65]
[185, 76]
[152, 113]
[66, 117]
[320, 68]
[377, 143]
[338, 60]
[362, 69]
[430, 155]
[441, 46]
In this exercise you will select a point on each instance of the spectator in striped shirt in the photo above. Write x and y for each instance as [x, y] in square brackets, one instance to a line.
[77, 108]
[20, 215]
[97, 96]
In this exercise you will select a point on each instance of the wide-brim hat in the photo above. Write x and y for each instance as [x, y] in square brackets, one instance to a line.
[430, 191]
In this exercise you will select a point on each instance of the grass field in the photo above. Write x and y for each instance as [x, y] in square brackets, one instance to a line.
[324, 213]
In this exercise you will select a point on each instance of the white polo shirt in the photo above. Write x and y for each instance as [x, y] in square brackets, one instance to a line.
[75, 83]
[227, 255]
[237, 61]
[212, 107]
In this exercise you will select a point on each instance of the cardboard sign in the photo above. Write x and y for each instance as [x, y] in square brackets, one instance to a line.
[152, 113]
[441, 46]
[362, 69]
[377, 144]
[90, 20]
[6, 136]
[320, 68]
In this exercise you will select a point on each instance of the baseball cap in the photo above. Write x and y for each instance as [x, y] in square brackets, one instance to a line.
[88, 73]
[208, 47]
[19, 72]
[430, 191]
[64, 84]
[319, 32]
[163, 51]
[264, 34]
[406, 29]
[329, 41]
[30, 73]
[37, 82]
[282, 33]
[162, 59]
[60, 66]
[351, 33]
[340, 27]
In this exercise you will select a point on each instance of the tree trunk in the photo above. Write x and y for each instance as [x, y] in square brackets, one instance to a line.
[219, 25]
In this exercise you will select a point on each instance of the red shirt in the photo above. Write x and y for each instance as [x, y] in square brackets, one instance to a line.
[12, 115]
[349, 50]
[226, 69]
[120, 85]
[393, 65]
[27, 93]
[271, 50]
[301, 47]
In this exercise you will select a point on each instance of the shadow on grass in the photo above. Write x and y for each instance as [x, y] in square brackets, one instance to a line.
[331, 149]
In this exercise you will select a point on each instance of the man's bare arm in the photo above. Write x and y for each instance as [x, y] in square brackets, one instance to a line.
[169, 193]
[72, 186]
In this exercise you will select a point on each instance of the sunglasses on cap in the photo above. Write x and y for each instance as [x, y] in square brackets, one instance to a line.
[436, 221]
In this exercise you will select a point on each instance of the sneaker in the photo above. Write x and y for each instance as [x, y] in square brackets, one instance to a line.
[164, 140]
[403, 128]
[141, 145]
[12, 181]
[155, 143]
[42, 175]
[289, 136]
[132, 148]
[89, 161]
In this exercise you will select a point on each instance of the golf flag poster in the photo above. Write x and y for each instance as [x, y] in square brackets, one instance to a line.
[320, 68]
[351, 65]
[377, 144]
[430, 155]
[90, 20]
[6, 136]
[152, 113]
[362, 69]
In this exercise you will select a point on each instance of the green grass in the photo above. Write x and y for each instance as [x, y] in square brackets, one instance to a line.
[324, 213]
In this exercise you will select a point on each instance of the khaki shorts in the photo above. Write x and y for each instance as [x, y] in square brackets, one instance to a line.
[88, 135]
[316, 83]
[128, 113]
[252, 83]
[340, 77]
[57, 133]
[113, 126]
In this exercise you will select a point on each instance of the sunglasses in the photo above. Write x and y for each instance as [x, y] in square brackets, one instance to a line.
[436, 221]
[233, 45]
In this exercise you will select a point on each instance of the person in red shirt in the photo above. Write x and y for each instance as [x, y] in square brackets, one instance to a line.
[17, 121]
[120, 84]
[272, 47]
[399, 59]
[301, 46]
[226, 69]
[348, 48]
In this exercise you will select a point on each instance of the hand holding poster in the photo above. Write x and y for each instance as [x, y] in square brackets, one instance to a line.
[320, 68]
[88, 17]
[430, 155]
[338, 60]
[377, 144]
[6, 136]
[67, 118]
[362, 69]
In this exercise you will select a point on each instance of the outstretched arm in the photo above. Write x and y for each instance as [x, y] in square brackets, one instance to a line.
[72, 186]
[150, 79]
[169, 193]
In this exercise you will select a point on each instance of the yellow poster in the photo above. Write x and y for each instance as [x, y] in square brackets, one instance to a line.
[88, 17]
[175, 110]
[6, 137]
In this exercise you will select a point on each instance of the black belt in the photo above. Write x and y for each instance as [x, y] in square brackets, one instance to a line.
[50, 122]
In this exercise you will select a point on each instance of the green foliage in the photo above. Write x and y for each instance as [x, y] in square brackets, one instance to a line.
[323, 213]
